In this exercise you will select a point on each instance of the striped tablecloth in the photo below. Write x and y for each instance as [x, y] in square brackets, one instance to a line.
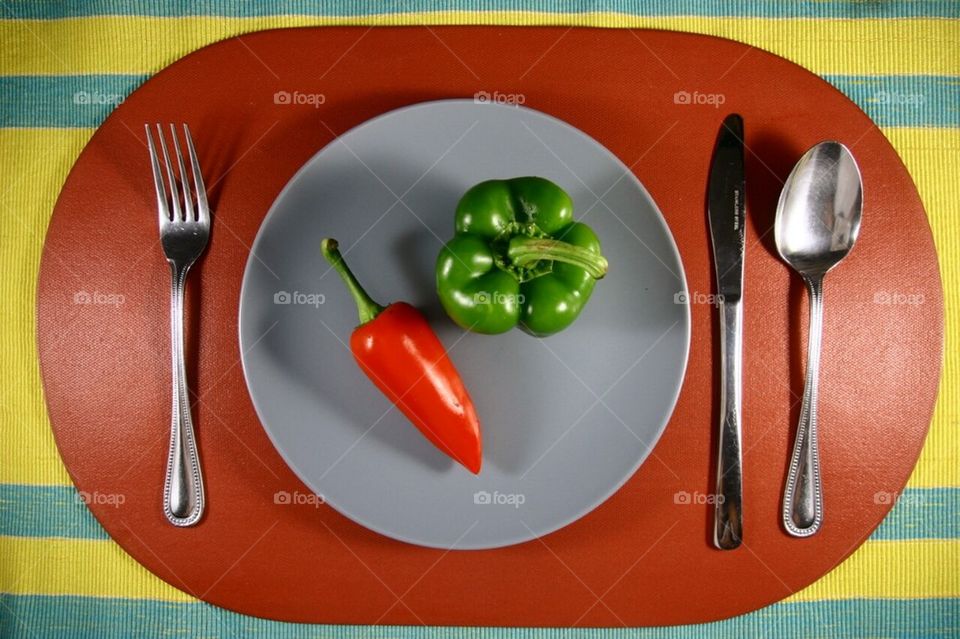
[64, 65]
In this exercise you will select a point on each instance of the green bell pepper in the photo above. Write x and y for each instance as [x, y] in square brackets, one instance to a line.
[518, 258]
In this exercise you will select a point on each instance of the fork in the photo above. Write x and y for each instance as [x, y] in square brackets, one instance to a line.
[184, 231]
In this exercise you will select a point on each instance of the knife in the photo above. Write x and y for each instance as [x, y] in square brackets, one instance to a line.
[725, 210]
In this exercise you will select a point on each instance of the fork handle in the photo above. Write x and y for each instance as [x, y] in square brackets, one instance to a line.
[183, 494]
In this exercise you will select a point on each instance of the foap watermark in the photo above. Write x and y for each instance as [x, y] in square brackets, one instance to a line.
[101, 499]
[299, 98]
[697, 98]
[696, 498]
[496, 297]
[496, 498]
[296, 498]
[884, 498]
[897, 298]
[97, 98]
[297, 298]
[899, 99]
[696, 297]
[98, 298]
[512, 99]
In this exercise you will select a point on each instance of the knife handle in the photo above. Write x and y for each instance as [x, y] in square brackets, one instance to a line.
[728, 528]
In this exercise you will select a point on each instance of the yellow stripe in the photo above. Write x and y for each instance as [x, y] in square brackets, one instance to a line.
[49, 566]
[34, 164]
[932, 157]
[123, 44]
[38, 160]
[52, 566]
[891, 569]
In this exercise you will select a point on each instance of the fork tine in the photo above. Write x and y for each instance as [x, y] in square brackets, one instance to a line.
[162, 209]
[184, 180]
[174, 191]
[203, 209]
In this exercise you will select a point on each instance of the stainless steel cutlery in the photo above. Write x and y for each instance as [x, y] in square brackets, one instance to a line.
[726, 207]
[817, 223]
[184, 217]
[818, 220]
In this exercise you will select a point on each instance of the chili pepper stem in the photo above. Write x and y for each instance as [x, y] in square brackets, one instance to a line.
[367, 309]
[527, 250]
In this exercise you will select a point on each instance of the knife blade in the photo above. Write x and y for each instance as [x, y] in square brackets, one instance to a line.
[726, 207]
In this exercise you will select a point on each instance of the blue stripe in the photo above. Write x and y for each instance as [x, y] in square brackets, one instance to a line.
[84, 101]
[58, 511]
[353, 8]
[62, 101]
[46, 511]
[62, 617]
[905, 100]
[921, 513]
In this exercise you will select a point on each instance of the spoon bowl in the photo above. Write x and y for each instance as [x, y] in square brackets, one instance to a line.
[818, 220]
[818, 216]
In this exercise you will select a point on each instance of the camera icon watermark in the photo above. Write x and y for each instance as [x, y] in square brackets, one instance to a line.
[511, 99]
[101, 499]
[297, 298]
[886, 498]
[296, 498]
[496, 498]
[98, 298]
[97, 98]
[883, 497]
[483, 298]
[899, 99]
[696, 297]
[897, 298]
[697, 98]
[297, 98]
[696, 498]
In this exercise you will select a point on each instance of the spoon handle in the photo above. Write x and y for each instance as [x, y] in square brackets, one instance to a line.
[803, 495]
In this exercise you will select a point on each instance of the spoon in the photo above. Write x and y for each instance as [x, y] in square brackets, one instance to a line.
[818, 219]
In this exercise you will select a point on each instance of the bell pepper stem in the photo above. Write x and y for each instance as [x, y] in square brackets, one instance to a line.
[527, 250]
[367, 309]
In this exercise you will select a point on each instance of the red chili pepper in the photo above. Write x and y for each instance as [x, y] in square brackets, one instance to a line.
[396, 348]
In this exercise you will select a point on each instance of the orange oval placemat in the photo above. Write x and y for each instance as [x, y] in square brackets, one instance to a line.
[656, 100]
